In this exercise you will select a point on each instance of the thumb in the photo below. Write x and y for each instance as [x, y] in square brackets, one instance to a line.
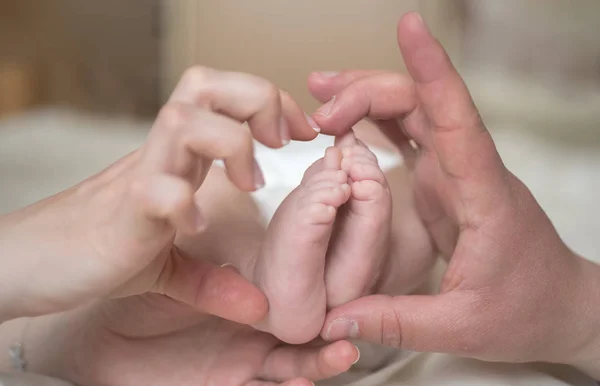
[416, 323]
[219, 291]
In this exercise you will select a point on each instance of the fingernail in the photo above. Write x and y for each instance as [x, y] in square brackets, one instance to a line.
[312, 123]
[358, 358]
[284, 131]
[230, 266]
[259, 179]
[342, 329]
[419, 18]
[328, 74]
[326, 108]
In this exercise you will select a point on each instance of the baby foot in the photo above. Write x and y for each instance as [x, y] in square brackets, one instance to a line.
[361, 237]
[291, 266]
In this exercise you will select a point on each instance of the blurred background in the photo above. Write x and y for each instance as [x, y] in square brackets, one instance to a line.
[81, 80]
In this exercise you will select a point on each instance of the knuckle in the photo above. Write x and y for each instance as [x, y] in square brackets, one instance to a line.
[269, 92]
[240, 143]
[138, 188]
[173, 117]
[198, 79]
[284, 95]
[138, 191]
[391, 329]
[197, 75]
[182, 203]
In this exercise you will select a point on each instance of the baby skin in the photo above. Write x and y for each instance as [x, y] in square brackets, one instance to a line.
[326, 243]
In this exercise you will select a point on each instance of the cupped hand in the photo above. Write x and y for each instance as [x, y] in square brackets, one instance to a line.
[512, 290]
[112, 235]
[153, 340]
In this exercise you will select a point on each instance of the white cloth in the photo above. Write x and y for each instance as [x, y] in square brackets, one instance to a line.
[283, 168]
[418, 369]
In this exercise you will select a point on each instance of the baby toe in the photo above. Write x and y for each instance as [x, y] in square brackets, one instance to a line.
[362, 171]
[334, 176]
[359, 151]
[320, 214]
[319, 206]
[334, 196]
[333, 158]
[368, 190]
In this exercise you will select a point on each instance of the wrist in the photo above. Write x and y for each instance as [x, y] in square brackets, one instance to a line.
[11, 333]
[55, 344]
[6, 305]
[48, 344]
[78, 347]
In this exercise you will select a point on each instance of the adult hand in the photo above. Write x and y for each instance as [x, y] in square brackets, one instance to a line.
[113, 234]
[512, 290]
[151, 339]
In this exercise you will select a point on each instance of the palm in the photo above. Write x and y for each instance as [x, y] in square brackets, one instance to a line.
[152, 339]
[433, 193]
[157, 341]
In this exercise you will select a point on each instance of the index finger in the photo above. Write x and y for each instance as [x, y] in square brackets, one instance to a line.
[324, 85]
[274, 118]
[379, 96]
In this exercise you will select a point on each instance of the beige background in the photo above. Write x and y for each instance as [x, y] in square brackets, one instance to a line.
[286, 40]
[98, 55]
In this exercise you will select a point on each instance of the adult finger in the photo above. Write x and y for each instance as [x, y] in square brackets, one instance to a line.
[244, 97]
[462, 143]
[219, 291]
[165, 198]
[380, 96]
[314, 363]
[420, 323]
[324, 85]
[184, 137]
[302, 127]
